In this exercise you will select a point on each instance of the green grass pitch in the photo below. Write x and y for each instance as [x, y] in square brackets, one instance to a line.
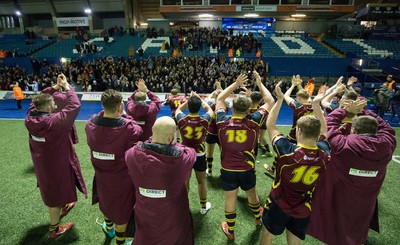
[24, 218]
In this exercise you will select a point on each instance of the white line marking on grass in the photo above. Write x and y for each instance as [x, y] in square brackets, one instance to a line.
[22, 119]
[396, 159]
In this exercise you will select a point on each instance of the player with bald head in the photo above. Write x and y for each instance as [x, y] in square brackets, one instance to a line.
[159, 170]
[162, 130]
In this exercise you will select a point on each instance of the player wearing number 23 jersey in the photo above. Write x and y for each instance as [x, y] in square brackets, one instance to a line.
[239, 137]
[193, 128]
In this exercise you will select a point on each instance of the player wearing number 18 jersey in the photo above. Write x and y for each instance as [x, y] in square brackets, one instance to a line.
[238, 135]
[193, 129]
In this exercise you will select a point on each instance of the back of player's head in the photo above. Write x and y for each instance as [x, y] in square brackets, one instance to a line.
[241, 104]
[194, 104]
[140, 96]
[310, 126]
[174, 91]
[350, 95]
[256, 97]
[163, 130]
[365, 125]
[42, 101]
[111, 100]
[303, 94]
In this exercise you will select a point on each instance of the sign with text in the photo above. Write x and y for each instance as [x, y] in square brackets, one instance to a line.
[72, 21]
[252, 8]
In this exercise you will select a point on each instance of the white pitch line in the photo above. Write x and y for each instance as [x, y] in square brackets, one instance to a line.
[396, 159]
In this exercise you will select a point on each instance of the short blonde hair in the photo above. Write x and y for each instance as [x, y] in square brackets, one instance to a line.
[310, 126]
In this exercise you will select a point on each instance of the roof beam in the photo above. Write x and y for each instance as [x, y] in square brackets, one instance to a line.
[53, 9]
[16, 4]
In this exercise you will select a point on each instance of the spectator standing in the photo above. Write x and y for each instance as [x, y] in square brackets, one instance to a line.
[18, 94]
[382, 97]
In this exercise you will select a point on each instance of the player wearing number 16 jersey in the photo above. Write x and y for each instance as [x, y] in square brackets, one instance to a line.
[298, 168]
[193, 129]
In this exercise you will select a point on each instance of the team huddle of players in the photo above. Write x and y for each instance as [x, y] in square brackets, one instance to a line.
[327, 172]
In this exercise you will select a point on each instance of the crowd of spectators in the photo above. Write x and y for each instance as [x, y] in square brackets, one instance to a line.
[161, 73]
[81, 34]
[223, 40]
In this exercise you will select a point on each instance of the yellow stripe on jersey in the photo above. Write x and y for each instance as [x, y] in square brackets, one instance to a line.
[308, 147]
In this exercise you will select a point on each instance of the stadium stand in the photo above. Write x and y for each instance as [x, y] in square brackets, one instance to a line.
[17, 44]
[367, 48]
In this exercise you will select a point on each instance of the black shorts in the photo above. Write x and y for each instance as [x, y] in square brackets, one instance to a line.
[275, 221]
[233, 180]
[200, 165]
[212, 139]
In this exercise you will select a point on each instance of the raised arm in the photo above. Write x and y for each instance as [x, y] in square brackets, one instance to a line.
[267, 96]
[326, 101]
[240, 81]
[298, 83]
[66, 117]
[217, 86]
[295, 81]
[338, 83]
[273, 114]
[318, 112]
[205, 105]
[350, 82]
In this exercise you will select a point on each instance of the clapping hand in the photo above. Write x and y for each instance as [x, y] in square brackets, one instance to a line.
[241, 80]
[341, 88]
[351, 81]
[321, 94]
[62, 81]
[354, 107]
[257, 77]
[296, 80]
[142, 86]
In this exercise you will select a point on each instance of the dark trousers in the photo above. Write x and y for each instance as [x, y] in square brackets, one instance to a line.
[19, 104]
[380, 110]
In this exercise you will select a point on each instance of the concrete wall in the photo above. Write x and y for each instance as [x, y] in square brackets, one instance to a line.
[210, 23]
[108, 22]
[159, 24]
[309, 26]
